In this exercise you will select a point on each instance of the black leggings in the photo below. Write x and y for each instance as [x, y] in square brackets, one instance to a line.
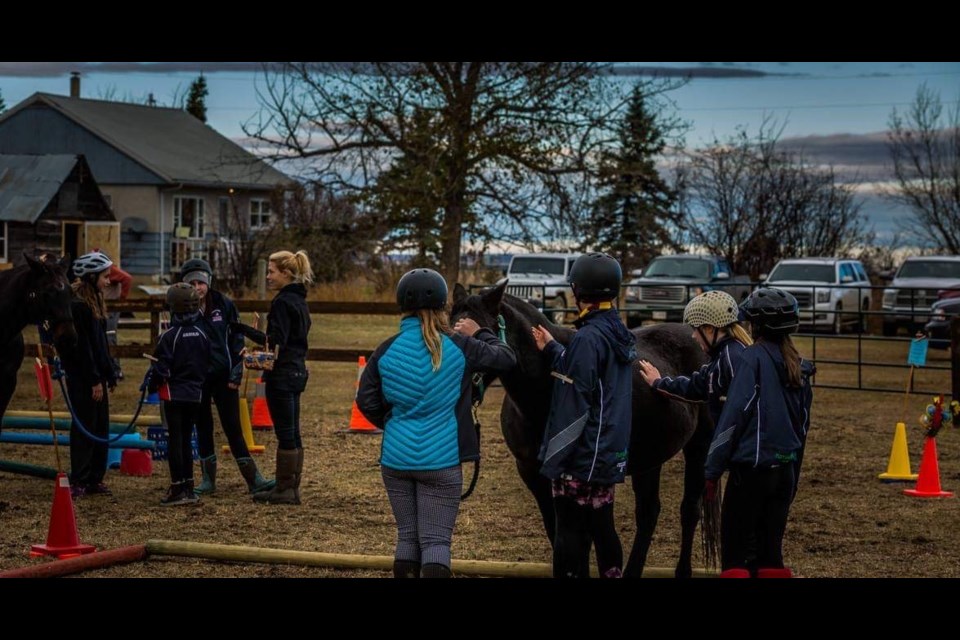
[284, 408]
[88, 458]
[577, 526]
[228, 408]
[755, 508]
[180, 417]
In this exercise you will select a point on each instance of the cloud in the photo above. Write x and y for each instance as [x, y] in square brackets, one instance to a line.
[55, 69]
[854, 156]
[706, 70]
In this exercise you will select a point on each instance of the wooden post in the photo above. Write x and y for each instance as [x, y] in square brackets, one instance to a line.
[261, 279]
[955, 357]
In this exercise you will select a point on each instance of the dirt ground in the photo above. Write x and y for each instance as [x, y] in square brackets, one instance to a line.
[844, 523]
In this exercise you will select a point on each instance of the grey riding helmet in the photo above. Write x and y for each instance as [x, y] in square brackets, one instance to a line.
[93, 262]
[712, 308]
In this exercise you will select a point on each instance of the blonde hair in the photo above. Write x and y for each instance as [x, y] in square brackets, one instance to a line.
[433, 326]
[90, 296]
[296, 264]
[739, 334]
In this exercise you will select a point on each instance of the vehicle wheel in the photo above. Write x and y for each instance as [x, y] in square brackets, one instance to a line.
[557, 317]
[838, 320]
[889, 329]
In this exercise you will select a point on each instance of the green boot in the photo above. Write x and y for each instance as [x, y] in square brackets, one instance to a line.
[208, 467]
[250, 473]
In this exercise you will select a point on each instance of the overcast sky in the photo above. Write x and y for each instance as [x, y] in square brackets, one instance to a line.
[836, 112]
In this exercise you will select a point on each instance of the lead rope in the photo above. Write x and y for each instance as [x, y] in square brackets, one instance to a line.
[479, 390]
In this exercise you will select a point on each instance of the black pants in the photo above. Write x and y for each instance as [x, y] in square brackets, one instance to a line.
[228, 408]
[284, 408]
[577, 526]
[755, 508]
[88, 458]
[180, 417]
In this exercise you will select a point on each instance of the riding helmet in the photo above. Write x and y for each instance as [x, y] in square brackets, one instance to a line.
[714, 308]
[595, 277]
[421, 289]
[773, 311]
[182, 298]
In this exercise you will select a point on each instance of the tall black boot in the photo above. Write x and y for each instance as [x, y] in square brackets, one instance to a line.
[434, 570]
[285, 491]
[406, 569]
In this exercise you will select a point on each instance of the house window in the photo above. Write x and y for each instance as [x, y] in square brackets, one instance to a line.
[3, 241]
[259, 213]
[188, 217]
[223, 215]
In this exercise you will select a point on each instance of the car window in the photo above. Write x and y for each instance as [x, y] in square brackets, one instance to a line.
[570, 262]
[723, 266]
[847, 271]
[858, 267]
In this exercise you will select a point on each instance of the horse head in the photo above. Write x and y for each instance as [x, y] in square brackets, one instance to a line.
[48, 296]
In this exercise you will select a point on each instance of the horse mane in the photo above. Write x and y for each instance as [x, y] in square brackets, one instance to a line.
[527, 316]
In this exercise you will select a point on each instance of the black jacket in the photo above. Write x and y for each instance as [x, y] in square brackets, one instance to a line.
[89, 362]
[183, 352]
[225, 343]
[288, 325]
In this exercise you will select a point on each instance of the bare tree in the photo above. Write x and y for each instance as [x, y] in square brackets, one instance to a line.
[924, 144]
[753, 203]
[501, 147]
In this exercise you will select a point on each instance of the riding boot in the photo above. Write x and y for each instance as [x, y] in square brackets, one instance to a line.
[208, 470]
[296, 486]
[434, 570]
[250, 473]
[406, 569]
[285, 490]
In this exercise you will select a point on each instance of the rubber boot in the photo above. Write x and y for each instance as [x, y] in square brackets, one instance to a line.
[406, 569]
[250, 473]
[774, 572]
[208, 469]
[434, 570]
[285, 490]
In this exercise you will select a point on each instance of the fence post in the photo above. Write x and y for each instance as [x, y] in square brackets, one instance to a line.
[955, 357]
[261, 279]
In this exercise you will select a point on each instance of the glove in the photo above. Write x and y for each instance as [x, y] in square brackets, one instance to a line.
[711, 491]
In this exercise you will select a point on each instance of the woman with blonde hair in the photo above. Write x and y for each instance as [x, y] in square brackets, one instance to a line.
[417, 388]
[288, 325]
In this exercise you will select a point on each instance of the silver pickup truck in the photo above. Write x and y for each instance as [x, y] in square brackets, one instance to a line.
[541, 279]
[669, 282]
[915, 287]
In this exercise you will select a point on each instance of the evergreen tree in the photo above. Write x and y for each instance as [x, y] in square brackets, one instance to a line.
[633, 216]
[197, 99]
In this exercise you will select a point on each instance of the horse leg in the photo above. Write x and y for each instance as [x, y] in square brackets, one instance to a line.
[539, 486]
[646, 491]
[694, 458]
[11, 357]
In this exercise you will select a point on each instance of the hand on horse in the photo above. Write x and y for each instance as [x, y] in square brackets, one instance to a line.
[711, 491]
[648, 372]
[541, 336]
[466, 327]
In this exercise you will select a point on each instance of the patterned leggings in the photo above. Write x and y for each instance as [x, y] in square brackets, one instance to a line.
[425, 505]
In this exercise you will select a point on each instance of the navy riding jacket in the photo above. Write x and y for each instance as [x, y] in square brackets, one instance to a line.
[711, 382]
[588, 430]
[225, 344]
[764, 421]
[182, 353]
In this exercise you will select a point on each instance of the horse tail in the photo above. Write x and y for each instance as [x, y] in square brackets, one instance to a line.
[710, 529]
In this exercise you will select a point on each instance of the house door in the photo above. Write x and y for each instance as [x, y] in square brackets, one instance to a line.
[71, 239]
[104, 236]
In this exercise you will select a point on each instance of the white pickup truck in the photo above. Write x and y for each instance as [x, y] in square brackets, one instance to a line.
[915, 288]
[541, 280]
[831, 292]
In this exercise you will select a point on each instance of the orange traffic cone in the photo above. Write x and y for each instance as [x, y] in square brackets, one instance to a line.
[928, 484]
[359, 422]
[62, 538]
[261, 413]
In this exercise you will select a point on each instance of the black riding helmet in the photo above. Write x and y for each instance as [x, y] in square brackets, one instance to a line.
[194, 266]
[595, 277]
[182, 298]
[773, 311]
[421, 289]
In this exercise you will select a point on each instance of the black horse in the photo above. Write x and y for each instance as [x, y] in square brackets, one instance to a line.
[660, 429]
[36, 292]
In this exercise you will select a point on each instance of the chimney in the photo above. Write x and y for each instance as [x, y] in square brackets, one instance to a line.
[74, 84]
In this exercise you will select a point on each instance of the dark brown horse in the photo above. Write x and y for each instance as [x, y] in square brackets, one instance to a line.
[660, 429]
[36, 292]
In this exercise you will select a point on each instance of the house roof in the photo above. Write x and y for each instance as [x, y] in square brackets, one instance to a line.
[28, 183]
[171, 143]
